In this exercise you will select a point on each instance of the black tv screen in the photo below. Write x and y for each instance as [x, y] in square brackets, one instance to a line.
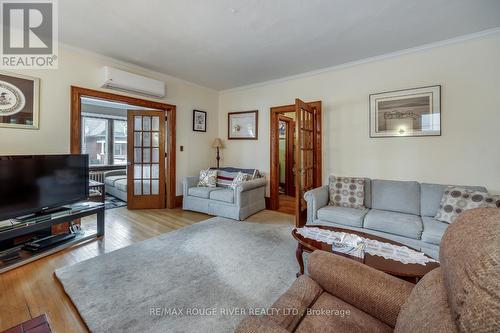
[31, 184]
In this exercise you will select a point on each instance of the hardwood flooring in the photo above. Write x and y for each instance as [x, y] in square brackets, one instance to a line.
[32, 289]
[286, 204]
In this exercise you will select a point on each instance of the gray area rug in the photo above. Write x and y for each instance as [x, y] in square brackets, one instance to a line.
[188, 280]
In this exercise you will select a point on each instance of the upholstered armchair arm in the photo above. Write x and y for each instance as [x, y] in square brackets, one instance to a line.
[376, 293]
[315, 199]
[251, 184]
[187, 183]
[250, 192]
[115, 173]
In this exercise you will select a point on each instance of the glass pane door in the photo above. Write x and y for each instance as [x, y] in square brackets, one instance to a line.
[304, 152]
[147, 159]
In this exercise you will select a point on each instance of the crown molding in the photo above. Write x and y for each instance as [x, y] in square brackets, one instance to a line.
[422, 48]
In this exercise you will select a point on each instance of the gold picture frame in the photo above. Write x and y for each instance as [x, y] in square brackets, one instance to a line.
[19, 101]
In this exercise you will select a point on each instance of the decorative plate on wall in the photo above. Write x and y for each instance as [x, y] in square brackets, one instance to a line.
[19, 98]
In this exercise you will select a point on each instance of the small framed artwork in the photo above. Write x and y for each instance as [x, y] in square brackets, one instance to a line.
[243, 125]
[199, 121]
[19, 101]
[409, 112]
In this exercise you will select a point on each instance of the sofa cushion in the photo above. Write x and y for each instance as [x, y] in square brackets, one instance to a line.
[208, 178]
[121, 184]
[347, 216]
[238, 180]
[431, 195]
[407, 225]
[202, 192]
[348, 192]
[337, 320]
[225, 176]
[396, 196]
[457, 200]
[433, 230]
[226, 195]
[110, 180]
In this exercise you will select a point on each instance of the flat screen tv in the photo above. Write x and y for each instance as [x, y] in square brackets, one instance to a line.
[33, 184]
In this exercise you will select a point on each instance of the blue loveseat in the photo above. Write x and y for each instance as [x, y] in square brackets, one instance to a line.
[399, 210]
[239, 203]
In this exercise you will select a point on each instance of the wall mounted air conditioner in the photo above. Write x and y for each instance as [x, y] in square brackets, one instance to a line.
[120, 80]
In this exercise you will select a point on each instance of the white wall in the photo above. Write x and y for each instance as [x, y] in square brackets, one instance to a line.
[81, 68]
[468, 152]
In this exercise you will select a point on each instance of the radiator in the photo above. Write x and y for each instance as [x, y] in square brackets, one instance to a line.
[97, 176]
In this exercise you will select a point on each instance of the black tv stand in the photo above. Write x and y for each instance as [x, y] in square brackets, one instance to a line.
[67, 214]
[44, 214]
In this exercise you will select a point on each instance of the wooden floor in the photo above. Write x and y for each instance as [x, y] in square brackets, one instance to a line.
[32, 290]
[286, 204]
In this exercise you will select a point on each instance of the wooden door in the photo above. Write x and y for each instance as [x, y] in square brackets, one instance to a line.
[304, 158]
[289, 154]
[146, 159]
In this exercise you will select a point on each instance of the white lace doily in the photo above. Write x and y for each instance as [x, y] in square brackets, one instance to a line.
[388, 251]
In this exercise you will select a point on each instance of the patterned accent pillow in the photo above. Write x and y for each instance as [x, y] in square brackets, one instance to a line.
[457, 199]
[208, 178]
[347, 192]
[240, 178]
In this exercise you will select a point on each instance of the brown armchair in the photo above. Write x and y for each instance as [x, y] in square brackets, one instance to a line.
[342, 295]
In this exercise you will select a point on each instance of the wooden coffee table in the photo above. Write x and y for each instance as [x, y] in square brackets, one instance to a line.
[409, 272]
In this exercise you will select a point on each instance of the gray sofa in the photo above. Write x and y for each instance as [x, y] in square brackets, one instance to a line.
[115, 183]
[402, 211]
[238, 204]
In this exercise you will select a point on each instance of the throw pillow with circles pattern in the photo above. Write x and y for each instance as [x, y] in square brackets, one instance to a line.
[208, 178]
[347, 192]
[457, 199]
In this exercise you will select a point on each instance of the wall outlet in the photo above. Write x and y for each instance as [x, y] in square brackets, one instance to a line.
[182, 148]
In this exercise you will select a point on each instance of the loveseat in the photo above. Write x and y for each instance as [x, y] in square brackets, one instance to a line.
[115, 183]
[399, 210]
[344, 295]
[239, 203]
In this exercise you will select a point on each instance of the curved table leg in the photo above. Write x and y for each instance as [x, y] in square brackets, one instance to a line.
[300, 259]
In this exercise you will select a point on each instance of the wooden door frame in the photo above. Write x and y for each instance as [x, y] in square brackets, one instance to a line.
[289, 153]
[274, 133]
[75, 129]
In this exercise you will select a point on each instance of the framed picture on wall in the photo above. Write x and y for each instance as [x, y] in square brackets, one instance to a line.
[19, 101]
[199, 121]
[243, 125]
[409, 112]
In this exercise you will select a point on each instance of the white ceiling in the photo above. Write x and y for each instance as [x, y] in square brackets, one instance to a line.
[223, 44]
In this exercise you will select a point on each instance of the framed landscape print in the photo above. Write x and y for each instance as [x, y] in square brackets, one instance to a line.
[19, 101]
[199, 121]
[409, 112]
[243, 125]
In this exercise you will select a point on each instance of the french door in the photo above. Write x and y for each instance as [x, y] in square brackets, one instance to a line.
[146, 159]
[305, 163]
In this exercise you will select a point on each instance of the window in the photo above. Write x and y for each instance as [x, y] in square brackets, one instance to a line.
[119, 142]
[104, 140]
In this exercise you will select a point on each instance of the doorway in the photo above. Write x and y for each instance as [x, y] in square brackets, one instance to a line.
[150, 148]
[296, 164]
[286, 152]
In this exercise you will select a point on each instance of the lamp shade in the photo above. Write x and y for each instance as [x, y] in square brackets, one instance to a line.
[217, 143]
